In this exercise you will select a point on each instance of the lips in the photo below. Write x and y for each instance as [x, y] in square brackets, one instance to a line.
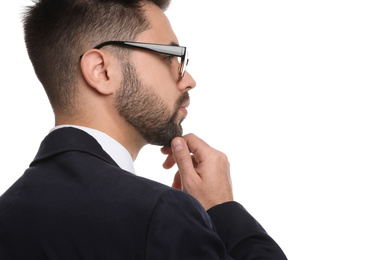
[183, 107]
[183, 102]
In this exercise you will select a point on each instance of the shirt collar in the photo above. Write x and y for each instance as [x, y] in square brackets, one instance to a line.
[112, 147]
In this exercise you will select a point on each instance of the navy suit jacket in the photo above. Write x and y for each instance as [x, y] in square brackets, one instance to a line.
[74, 202]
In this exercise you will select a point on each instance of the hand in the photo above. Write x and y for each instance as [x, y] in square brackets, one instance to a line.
[203, 171]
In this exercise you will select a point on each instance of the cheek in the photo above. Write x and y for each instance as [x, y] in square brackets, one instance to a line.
[167, 93]
[152, 67]
[159, 76]
[162, 87]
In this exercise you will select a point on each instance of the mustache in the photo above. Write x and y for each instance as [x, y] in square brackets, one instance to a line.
[182, 99]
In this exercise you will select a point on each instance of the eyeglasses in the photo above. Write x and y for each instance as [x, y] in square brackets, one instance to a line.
[178, 51]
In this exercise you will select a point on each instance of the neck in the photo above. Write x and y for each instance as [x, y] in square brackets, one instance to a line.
[116, 128]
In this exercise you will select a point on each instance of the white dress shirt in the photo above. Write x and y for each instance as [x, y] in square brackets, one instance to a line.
[114, 149]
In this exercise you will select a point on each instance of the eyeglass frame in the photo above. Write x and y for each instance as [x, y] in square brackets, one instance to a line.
[174, 50]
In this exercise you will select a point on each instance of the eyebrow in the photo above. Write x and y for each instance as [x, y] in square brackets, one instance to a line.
[174, 44]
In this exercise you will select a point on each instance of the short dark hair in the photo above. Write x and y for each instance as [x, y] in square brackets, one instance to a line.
[57, 32]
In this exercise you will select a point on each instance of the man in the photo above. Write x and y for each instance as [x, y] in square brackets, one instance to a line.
[113, 77]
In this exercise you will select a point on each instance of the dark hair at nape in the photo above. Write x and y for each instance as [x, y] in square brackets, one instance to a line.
[57, 32]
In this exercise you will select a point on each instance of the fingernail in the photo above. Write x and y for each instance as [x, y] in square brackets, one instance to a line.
[177, 145]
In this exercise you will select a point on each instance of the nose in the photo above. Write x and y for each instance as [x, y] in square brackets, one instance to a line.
[187, 82]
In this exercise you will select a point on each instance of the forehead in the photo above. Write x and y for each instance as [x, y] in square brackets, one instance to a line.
[160, 30]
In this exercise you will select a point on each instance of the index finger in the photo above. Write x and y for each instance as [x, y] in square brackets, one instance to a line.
[195, 145]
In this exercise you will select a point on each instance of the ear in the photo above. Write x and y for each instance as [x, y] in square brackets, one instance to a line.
[98, 71]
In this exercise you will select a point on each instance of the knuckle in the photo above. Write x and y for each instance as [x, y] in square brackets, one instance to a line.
[221, 156]
[189, 136]
[225, 158]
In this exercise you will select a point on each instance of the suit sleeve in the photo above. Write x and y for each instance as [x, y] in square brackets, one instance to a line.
[181, 229]
[242, 235]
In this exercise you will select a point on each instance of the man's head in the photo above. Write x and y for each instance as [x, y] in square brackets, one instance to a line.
[144, 88]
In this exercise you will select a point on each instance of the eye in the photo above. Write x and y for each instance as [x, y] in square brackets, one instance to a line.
[169, 58]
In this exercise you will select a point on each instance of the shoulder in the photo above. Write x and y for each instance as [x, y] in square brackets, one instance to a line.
[180, 228]
[70, 181]
[179, 206]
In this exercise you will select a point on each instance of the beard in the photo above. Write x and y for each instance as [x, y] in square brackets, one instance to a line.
[146, 111]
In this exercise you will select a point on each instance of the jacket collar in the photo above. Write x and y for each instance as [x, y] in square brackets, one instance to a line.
[70, 139]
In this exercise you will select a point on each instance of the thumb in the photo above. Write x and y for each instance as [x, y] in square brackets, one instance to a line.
[182, 157]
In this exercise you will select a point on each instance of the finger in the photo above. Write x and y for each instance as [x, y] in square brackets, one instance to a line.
[169, 162]
[194, 162]
[177, 181]
[183, 160]
[166, 150]
[197, 146]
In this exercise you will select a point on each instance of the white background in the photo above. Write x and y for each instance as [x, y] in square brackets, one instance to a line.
[296, 93]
